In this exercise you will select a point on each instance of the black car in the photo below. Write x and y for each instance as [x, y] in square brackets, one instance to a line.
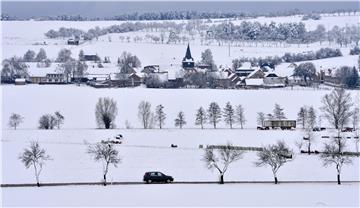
[155, 176]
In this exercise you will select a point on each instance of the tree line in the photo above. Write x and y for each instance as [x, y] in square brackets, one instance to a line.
[273, 61]
[184, 15]
[292, 33]
[219, 158]
[337, 107]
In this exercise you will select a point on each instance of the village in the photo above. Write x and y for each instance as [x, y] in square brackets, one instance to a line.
[100, 72]
[180, 104]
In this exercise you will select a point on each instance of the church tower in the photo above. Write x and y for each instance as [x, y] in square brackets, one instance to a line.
[188, 60]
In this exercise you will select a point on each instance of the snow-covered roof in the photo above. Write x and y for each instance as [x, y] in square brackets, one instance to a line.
[97, 76]
[107, 68]
[245, 66]
[256, 70]
[19, 80]
[35, 71]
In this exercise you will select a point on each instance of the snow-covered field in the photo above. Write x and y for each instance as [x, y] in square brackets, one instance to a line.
[248, 195]
[147, 150]
[77, 103]
[19, 36]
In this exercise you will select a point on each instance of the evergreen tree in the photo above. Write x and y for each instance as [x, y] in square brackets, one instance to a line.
[200, 117]
[228, 114]
[240, 116]
[311, 118]
[279, 112]
[29, 56]
[356, 118]
[160, 116]
[214, 113]
[41, 56]
[302, 116]
[260, 118]
[64, 55]
[207, 58]
[81, 55]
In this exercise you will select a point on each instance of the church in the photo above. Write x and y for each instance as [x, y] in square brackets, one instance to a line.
[188, 61]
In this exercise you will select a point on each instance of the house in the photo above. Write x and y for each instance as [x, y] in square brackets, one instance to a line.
[45, 75]
[73, 41]
[256, 74]
[55, 78]
[20, 81]
[220, 79]
[254, 83]
[94, 58]
[272, 79]
[175, 83]
[244, 70]
[36, 79]
[151, 69]
[124, 80]
[188, 60]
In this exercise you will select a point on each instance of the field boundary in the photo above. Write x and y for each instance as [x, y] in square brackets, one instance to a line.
[176, 182]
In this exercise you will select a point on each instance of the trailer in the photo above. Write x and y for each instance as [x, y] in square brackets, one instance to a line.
[281, 124]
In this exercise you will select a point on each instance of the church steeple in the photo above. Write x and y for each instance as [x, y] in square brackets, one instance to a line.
[188, 60]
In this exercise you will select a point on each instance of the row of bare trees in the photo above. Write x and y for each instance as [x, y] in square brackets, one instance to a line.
[274, 156]
[36, 157]
[46, 121]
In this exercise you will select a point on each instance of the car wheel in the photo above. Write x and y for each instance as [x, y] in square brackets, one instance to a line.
[168, 181]
[148, 181]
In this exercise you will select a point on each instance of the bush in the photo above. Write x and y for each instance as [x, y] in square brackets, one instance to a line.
[355, 51]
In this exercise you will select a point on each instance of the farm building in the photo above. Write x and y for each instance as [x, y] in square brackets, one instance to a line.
[282, 124]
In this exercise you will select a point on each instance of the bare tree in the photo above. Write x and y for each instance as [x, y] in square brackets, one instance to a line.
[105, 113]
[160, 116]
[260, 118]
[229, 114]
[200, 117]
[240, 115]
[274, 156]
[221, 158]
[127, 62]
[34, 156]
[332, 155]
[337, 107]
[309, 138]
[214, 113]
[180, 120]
[145, 115]
[59, 119]
[15, 120]
[107, 154]
[279, 112]
[47, 121]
